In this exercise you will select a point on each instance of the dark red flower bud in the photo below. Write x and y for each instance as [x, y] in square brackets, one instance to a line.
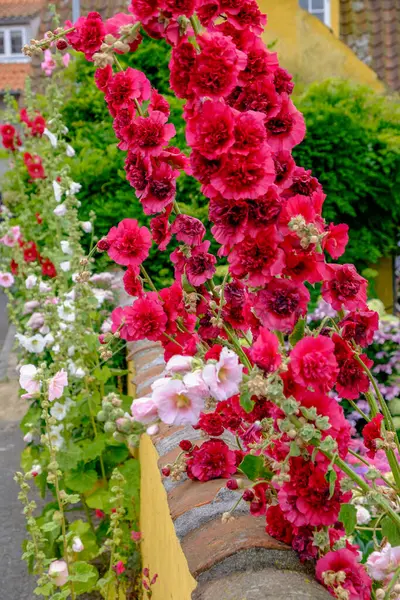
[166, 471]
[232, 484]
[146, 572]
[248, 495]
[154, 579]
[145, 585]
[102, 338]
[61, 44]
[103, 245]
[185, 445]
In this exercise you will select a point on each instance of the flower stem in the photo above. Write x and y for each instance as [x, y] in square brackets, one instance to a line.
[392, 583]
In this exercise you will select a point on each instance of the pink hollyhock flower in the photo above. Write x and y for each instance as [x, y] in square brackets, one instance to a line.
[210, 130]
[158, 103]
[11, 237]
[195, 383]
[119, 568]
[88, 34]
[58, 572]
[224, 377]
[144, 10]
[132, 283]
[122, 20]
[129, 244]
[314, 363]
[212, 460]
[27, 379]
[244, 176]
[344, 287]
[259, 258]
[136, 536]
[179, 364]
[277, 526]
[160, 189]
[6, 280]
[259, 96]
[249, 132]
[144, 410]
[126, 86]
[66, 59]
[102, 77]
[356, 582]
[151, 134]
[57, 384]
[49, 64]
[176, 404]
[265, 351]
[201, 265]
[284, 168]
[229, 218]
[382, 565]
[281, 303]
[36, 320]
[161, 230]
[304, 266]
[371, 432]
[145, 319]
[188, 230]
[287, 129]
[336, 241]
[360, 326]
[211, 424]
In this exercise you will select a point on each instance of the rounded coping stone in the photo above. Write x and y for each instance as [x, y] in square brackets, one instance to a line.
[266, 584]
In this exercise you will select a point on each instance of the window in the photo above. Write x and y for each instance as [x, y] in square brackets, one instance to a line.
[319, 8]
[11, 41]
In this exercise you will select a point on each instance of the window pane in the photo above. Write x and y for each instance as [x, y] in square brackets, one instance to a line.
[2, 49]
[304, 4]
[320, 15]
[16, 42]
[317, 4]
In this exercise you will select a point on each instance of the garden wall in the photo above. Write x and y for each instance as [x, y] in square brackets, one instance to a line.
[195, 554]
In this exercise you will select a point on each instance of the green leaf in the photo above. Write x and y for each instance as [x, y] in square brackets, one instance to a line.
[102, 374]
[348, 516]
[391, 531]
[69, 456]
[81, 481]
[88, 538]
[114, 455]
[254, 468]
[44, 590]
[246, 402]
[298, 332]
[331, 478]
[91, 449]
[99, 499]
[294, 449]
[84, 576]
[131, 472]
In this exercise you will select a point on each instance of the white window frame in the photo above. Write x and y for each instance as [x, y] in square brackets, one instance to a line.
[9, 56]
[326, 9]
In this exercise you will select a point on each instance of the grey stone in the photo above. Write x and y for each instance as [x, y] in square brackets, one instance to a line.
[267, 584]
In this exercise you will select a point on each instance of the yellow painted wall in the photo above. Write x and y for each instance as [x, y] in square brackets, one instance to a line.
[309, 49]
[161, 550]
[384, 282]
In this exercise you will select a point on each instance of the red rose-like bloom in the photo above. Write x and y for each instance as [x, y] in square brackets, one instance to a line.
[360, 326]
[125, 86]
[30, 251]
[336, 241]
[161, 230]
[102, 77]
[210, 423]
[88, 34]
[38, 125]
[352, 379]
[158, 103]
[277, 526]
[151, 134]
[344, 287]
[265, 351]
[372, 432]
[281, 303]
[284, 167]
[210, 131]
[181, 65]
[160, 189]
[132, 283]
[188, 230]
[287, 128]
[200, 266]
[144, 10]
[260, 96]
[212, 460]
[229, 218]
[34, 166]
[129, 243]
[304, 266]
[144, 319]
[314, 364]
[249, 132]
[357, 583]
[48, 268]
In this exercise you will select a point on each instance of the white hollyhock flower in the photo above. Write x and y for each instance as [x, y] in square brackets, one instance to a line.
[74, 188]
[36, 469]
[66, 247]
[56, 438]
[86, 226]
[58, 571]
[66, 311]
[58, 411]
[57, 191]
[28, 437]
[70, 151]
[77, 545]
[60, 210]
[44, 288]
[65, 266]
[35, 344]
[30, 282]
[51, 136]
[363, 515]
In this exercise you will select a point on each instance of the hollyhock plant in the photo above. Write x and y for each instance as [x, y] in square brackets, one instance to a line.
[313, 363]
[129, 244]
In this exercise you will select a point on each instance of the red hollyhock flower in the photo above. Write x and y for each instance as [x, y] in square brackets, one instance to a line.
[38, 218]
[249, 132]
[277, 526]
[360, 326]
[212, 460]
[137, 169]
[161, 230]
[132, 283]
[88, 34]
[126, 86]
[303, 184]
[202, 168]
[230, 219]
[201, 265]
[14, 267]
[113, 26]
[352, 379]
[357, 583]
[265, 351]
[144, 10]
[181, 65]
[151, 134]
[48, 268]
[213, 353]
[230, 417]
[160, 189]
[210, 130]
[9, 137]
[185, 344]
[284, 167]
[34, 166]
[173, 305]
[102, 77]
[314, 364]
[371, 432]
[258, 506]
[260, 62]
[281, 303]
[260, 95]
[304, 266]
[188, 230]
[129, 243]
[244, 176]
[158, 103]
[287, 128]
[283, 81]
[30, 251]
[144, 319]
[344, 287]
[336, 241]
[259, 257]
[210, 423]
[38, 125]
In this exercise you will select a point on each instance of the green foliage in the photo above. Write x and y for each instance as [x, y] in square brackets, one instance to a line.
[352, 147]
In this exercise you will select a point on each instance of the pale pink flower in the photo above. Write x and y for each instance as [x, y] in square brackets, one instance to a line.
[49, 64]
[6, 280]
[223, 378]
[144, 410]
[58, 571]
[30, 306]
[153, 429]
[77, 545]
[27, 379]
[57, 384]
[66, 59]
[30, 282]
[36, 320]
[176, 404]
[11, 237]
[195, 383]
[381, 565]
[179, 364]
[28, 437]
